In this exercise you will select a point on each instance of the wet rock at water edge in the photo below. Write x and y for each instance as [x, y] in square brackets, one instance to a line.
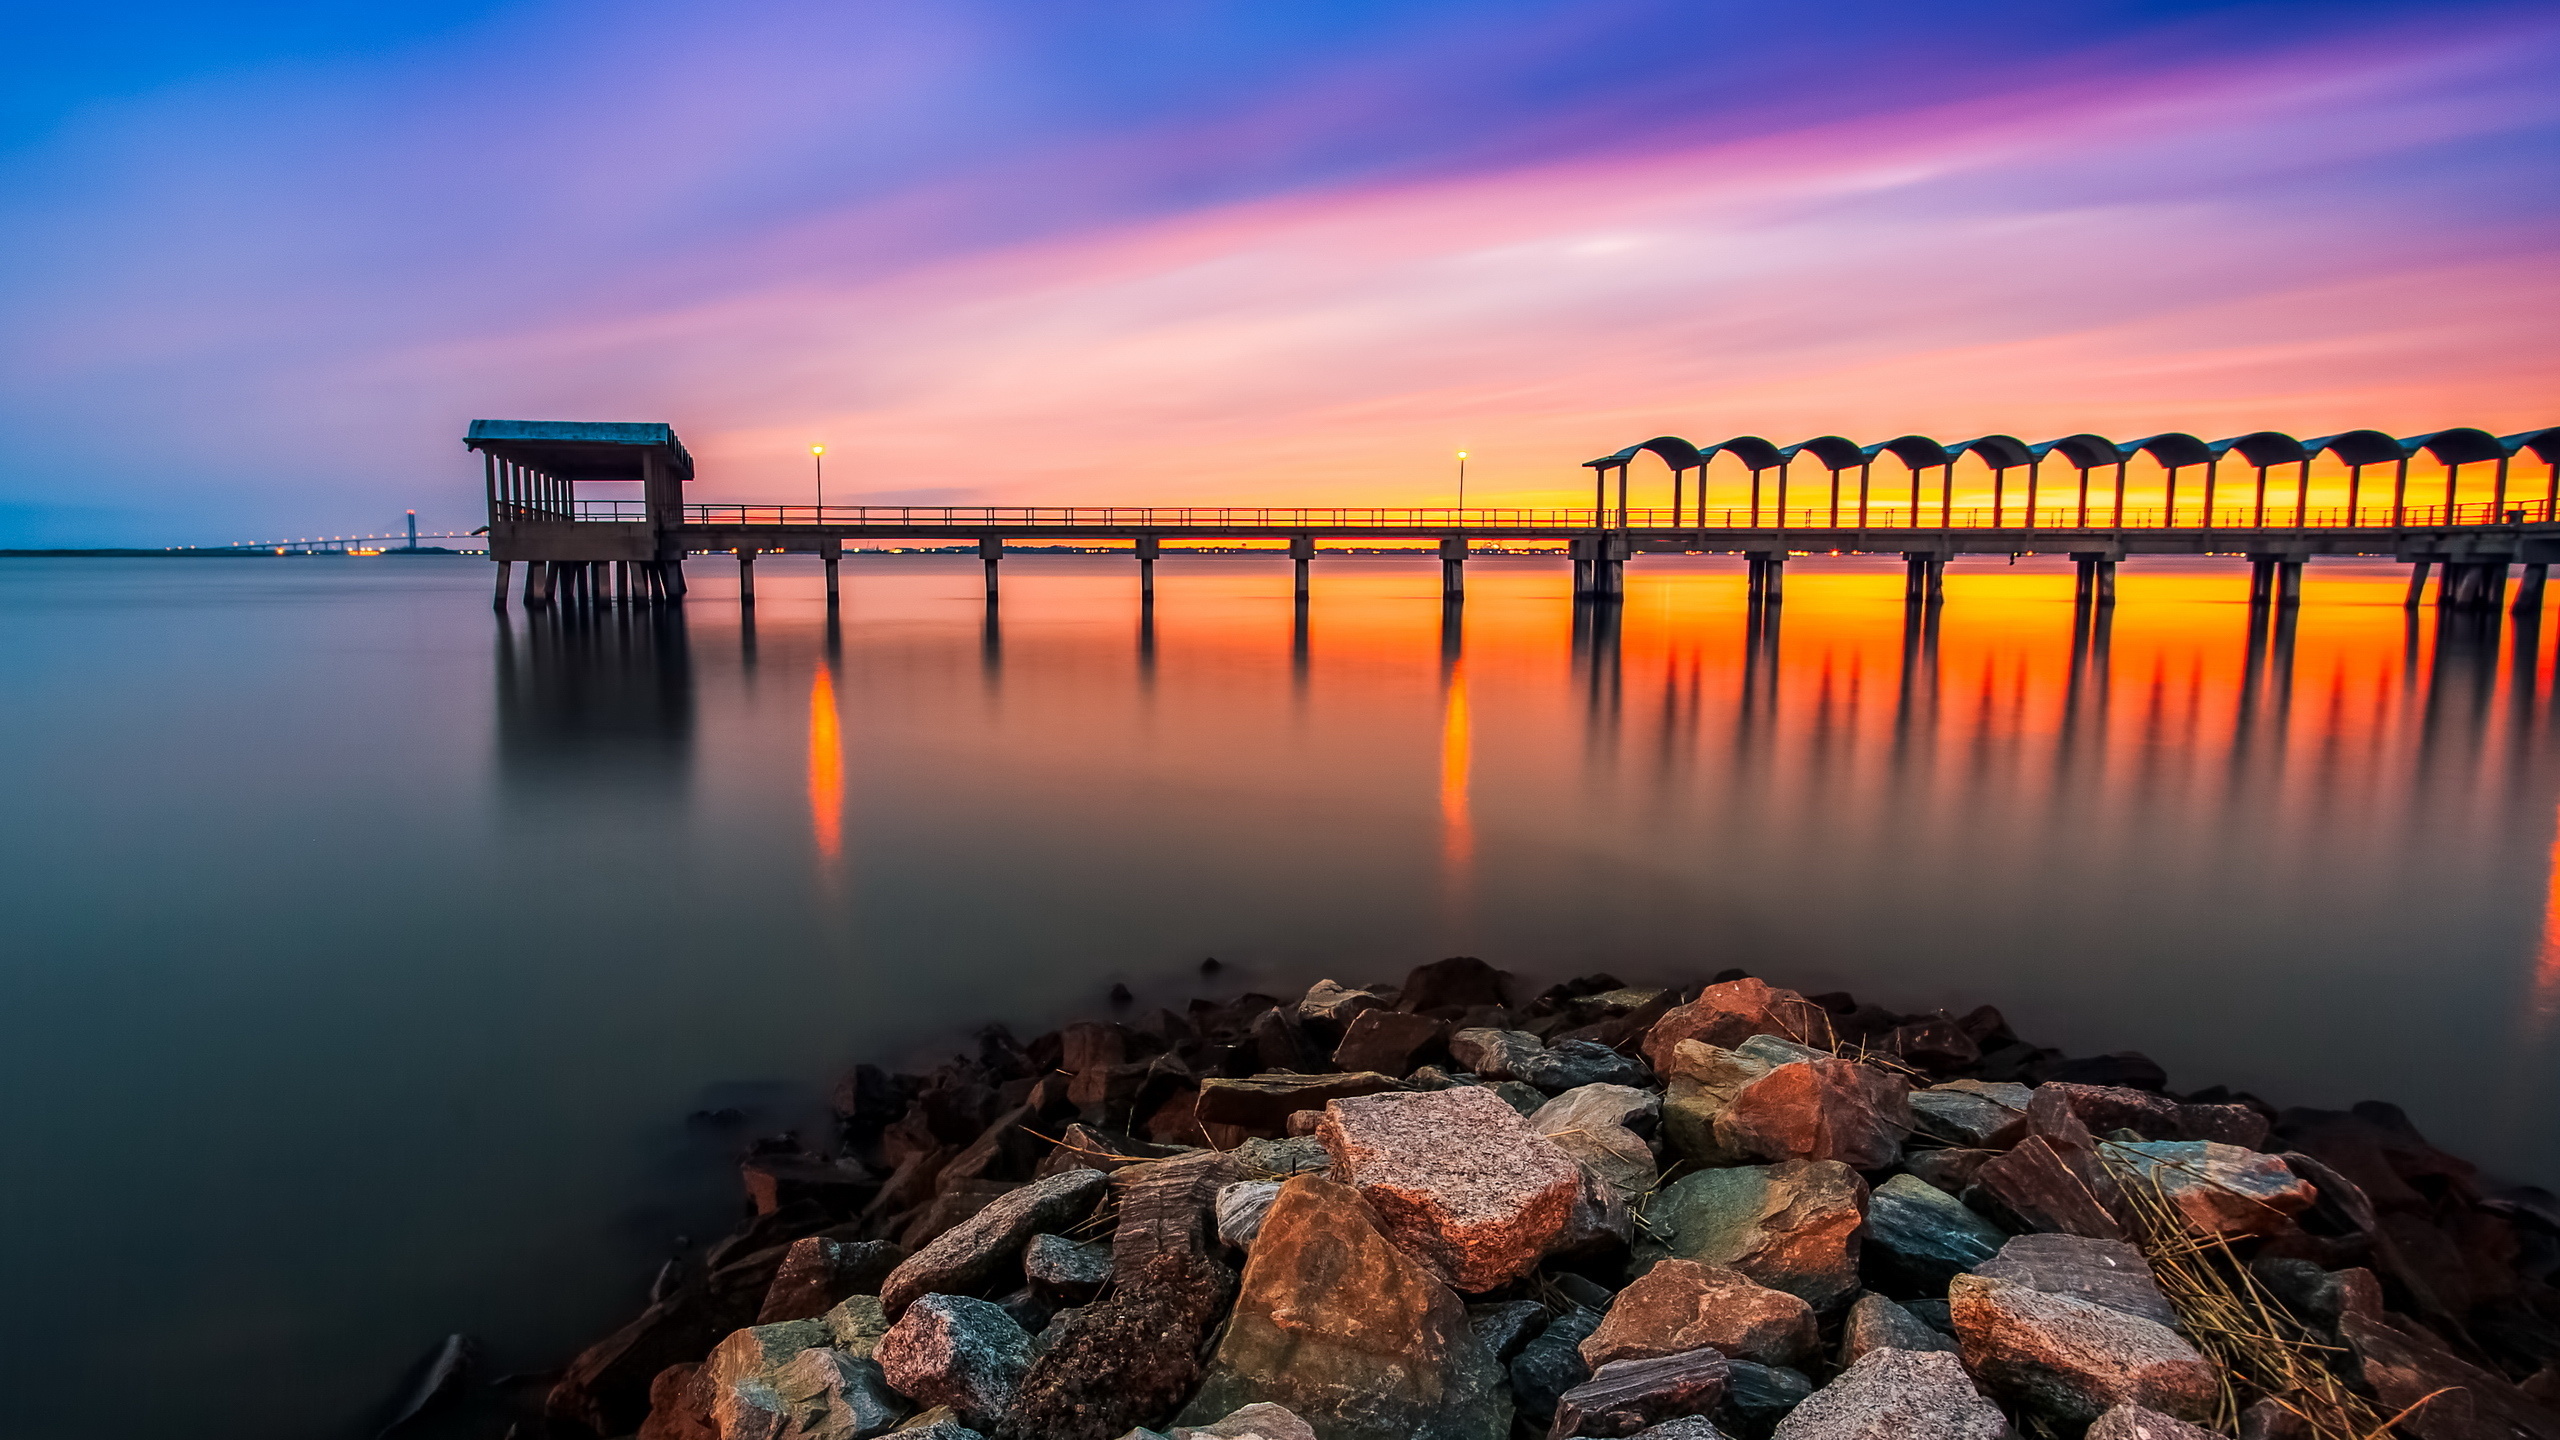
[1346, 1330]
[1625, 1397]
[2074, 1359]
[957, 1351]
[1456, 1177]
[1388, 1041]
[969, 1253]
[1919, 1237]
[1680, 1305]
[1727, 1014]
[1897, 1395]
[1876, 1323]
[1794, 1227]
[819, 1271]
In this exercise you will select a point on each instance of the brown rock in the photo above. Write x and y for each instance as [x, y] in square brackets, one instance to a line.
[2453, 1400]
[1876, 1323]
[2075, 1359]
[2132, 1422]
[1681, 1305]
[2053, 1179]
[1726, 1015]
[818, 1271]
[1820, 1110]
[1700, 1086]
[2103, 1272]
[1461, 982]
[1264, 1103]
[1950, 1170]
[1792, 1227]
[1626, 1397]
[774, 1181]
[1386, 1041]
[1457, 1178]
[1346, 1330]
[2108, 1108]
[2219, 1189]
[964, 1257]
[956, 1351]
[1976, 1114]
[1330, 1007]
[1897, 1395]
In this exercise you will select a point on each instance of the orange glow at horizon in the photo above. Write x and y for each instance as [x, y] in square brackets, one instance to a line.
[826, 765]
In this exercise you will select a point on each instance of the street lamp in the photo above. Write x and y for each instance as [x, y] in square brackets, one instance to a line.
[818, 458]
[1462, 480]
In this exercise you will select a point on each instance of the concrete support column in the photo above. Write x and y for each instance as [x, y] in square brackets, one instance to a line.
[2288, 582]
[834, 587]
[2262, 579]
[1453, 568]
[2106, 582]
[2417, 585]
[1148, 547]
[1924, 577]
[1768, 576]
[506, 572]
[746, 576]
[2528, 589]
[1302, 550]
[991, 550]
[1609, 568]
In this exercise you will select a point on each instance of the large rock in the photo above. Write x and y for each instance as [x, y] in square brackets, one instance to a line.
[1457, 1178]
[2405, 1367]
[1064, 1269]
[1919, 1237]
[1461, 982]
[1506, 1325]
[1687, 1427]
[1626, 1396]
[818, 1394]
[1551, 1363]
[2053, 1179]
[965, 1256]
[1265, 1102]
[1589, 1123]
[1876, 1323]
[1792, 1227]
[1519, 1055]
[1756, 1397]
[2219, 1189]
[2105, 1272]
[1973, 1114]
[2132, 1422]
[1345, 1329]
[1823, 1109]
[2074, 1359]
[1726, 1015]
[1387, 1041]
[819, 1271]
[1598, 1106]
[957, 1351]
[1329, 1006]
[1261, 1420]
[2109, 1108]
[1682, 1305]
[1897, 1395]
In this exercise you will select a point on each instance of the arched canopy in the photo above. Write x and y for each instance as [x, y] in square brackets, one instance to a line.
[2358, 447]
[2174, 448]
[1998, 451]
[1917, 451]
[2458, 447]
[1834, 452]
[2080, 451]
[1751, 450]
[1677, 453]
[2545, 444]
[2263, 448]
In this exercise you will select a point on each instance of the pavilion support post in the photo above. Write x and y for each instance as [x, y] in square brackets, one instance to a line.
[1608, 568]
[2106, 582]
[1453, 568]
[746, 576]
[2529, 589]
[1768, 576]
[1302, 551]
[2262, 580]
[1924, 577]
[2288, 582]
[506, 572]
[835, 592]
[537, 584]
[1147, 547]
[991, 550]
[2489, 592]
[2417, 585]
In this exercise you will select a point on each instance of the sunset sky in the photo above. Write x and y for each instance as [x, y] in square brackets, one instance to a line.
[261, 263]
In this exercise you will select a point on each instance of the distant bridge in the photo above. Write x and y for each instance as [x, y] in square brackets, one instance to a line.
[586, 549]
[327, 544]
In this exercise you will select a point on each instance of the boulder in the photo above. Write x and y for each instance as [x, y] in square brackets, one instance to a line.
[2105, 1272]
[1241, 1207]
[856, 1324]
[818, 1271]
[1461, 982]
[818, 1394]
[1598, 1106]
[965, 1256]
[2074, 1359]
[1626, 1396]
[1586, 1130]
[939, 1424]
[2219, 1189]
[1687, 1427]
[1341, 1326]
[1457, 1178]
[1387, 1041]
[1519, 1055]
[2132, 1422]
[1699, 1087]
[1064, 1269]
[957, 1351]
[1681, 1305]
[2053, 1179]
[1975, 1114]
[1264, 1103]
[1279, 1159]
[1506, 1325]
[1551, 1364]
[1919, 1237]
[1497, 1054]
[1757, 1396]
[1726, 1015]
[1897, 1395]
[1330, 1007]
[1951, 1170]
[1792, 1227]
[1820, 1109]
[1876, 1323]
[2404, 1367]
[2109, 1108]
[1261, 1420]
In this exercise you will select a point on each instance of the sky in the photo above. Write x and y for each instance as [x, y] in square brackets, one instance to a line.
[261, 263]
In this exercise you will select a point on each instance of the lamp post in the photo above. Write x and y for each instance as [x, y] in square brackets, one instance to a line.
[1462, 485]
[818, 458]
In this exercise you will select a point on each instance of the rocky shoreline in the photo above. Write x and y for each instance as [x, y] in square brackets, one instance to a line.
[1439, 1211]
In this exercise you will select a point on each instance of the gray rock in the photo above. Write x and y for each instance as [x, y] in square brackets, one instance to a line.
[1876, 1323]
[1066, 1268]
[1757, 1396]
[1241, 1207]
[1329, 1004]
[1615, 1155]
[1626, 1396]
[1279, 1159]
[785, 1380]
[964, 1257]
[1386, 1041]
[1506, 1325]
[1497, 1054]
[1569, 1065]
[2132, 1422]
[856, 1324]
[1897, 1395]
[1551, 1364]
[1259, 1421]
[1932, 1313]
[1687, 1427]
[1919, 1237]
[956, 1351]
[1974, 1114]
[1598, 1105]
[1951, 1170]
[940, 1427]
[2108, 1272]
[2074, 1359]
[817, 1272]
[1794, 1227]
[1520, 1095]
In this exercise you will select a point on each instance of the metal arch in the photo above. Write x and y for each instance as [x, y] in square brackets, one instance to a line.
[2263, 448]
[2358, 447]
[1917, 451]
[2000, 452]
[1835, 452]
[2083, 451]
[1754, 452]
[2458, 447]
[2545, 444]
[2174, 448]
[1679, 454]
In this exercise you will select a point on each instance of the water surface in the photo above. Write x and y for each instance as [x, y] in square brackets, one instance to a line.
[366, 950]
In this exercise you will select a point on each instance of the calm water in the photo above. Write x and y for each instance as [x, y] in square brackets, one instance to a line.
[365, 951]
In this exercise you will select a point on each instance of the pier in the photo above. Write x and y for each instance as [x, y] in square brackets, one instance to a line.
[2247, 496]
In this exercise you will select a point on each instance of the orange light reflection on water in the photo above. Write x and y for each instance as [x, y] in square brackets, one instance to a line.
[1457, 827]
[826, 765]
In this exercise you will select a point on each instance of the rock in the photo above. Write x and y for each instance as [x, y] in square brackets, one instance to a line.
[2220, 1189]
[1757, 1396]
[938, 1425]
[2322, 1297]
[2376, 1147]
[2106, 1108]
[1551, 1364]
[1456, 1178]
[1919, 1237]
[1726, 1015]
[2132, 1422]
[1897, 1395]
[1572, 1063]
[1387, 1041]
[1519, 1055]
[1792, 1227]
[1975, 1114]
[1936, 1044]
[1279, 1159]
[816, 1272]
[1505, 1326]
[1496, 1054]
[1518, 1094]
[1687, 1427]
[1241, 1207]
[1265, 1102]
[1583, 1128]
[2404, 1367]
[2053, 1179]
[1626, 1396]
[2075, 1359]
[2129, 1068]
[856, 1324]
[1701, 1084]
[1934, 1314]
[1596, 1106]
[1259, 1421]
[778, 1180]
[1951, 1170]
[965, 1256]
[956, 1351]
[1822, 1109]
[1680, 1305]
[1136, 1353]
[1330, 1007]
[821, 1394]
[1345, 1329]
[1876, 1323]
[1064, 1268]
[1461, 982]
[2105, 1272]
